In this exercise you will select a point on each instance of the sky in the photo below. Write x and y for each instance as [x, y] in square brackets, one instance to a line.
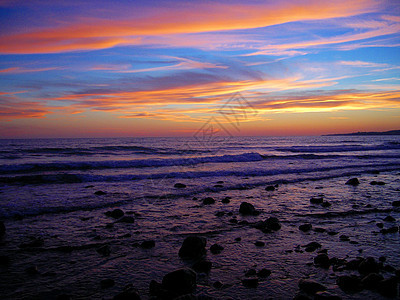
[174, 68]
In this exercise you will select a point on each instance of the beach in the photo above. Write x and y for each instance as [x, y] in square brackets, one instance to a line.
[90, 218]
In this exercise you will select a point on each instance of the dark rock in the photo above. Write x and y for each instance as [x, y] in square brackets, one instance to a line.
[379, 225]
[393, 229]
[259, 244]
[353, 182]
[148, 244]
[193, 247]
[311, 247]
[349, 283]
[208, 200]
[233, 221]
[396, 203]
[218, 186]
[244, 222]
[33, 243]
[64, 297]
[316, 200]
[218, 285]
[179, 185]
[389, 268]
[305, 227]
[180, 282]
[272, 223]
[250, 273]
[263, 273]
[344, 238]
[326, 296]
[382, 258]
[326, 204]
[377, 183]
[216, 249]
[156, 289]
[322, 260]
[126, 219]
[388, 287]
[310, 286]
[248, 209]
[2, 229]
[270, 188]
[4, 260]
[100, 193]
[238, 239]
[319, 229]
[202, 266]
[116, 213]
[250, 282]
[371, 281]
[354, 264]
[226, 200]
[332, 232]
[219, 214]
[129, 293]
[301, 297]
[32, 270]
[104, 250]
[368, 265]
[389, 219]
[107, 283]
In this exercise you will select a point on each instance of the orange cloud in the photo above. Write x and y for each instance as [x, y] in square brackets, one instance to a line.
[18, 70]
[94, 33]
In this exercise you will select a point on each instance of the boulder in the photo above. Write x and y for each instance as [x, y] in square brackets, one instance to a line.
[107, 283]
[371, 281]
[316, 200]
[326, 296]
[396, 203]
[247, 209]
[180, 282]
[126, 219]
[389, 219]
[129, 293]
[250, 282]
[310, 286]
[100, 193]
[388, 287]
[202, 266]
[369, 265]
[349, 283]
[193, 247]
[216, 249]
[263, 273]
[305, 227]
[311, 247]
[270, 188]
[148, 244]
[208, 200]
[116, 213]
[179, 185]
[322, 260]
[226, 200]
[353, 182]
[259, 244]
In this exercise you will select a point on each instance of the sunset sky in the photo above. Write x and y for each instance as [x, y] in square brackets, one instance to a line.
[165, 68]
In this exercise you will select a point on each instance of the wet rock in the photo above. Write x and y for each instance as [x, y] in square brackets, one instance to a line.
[259, 244]
[179, 185]
[326, 204]
[208, 201]
[238, 239]
[148, 244]
[180, 282]
[2, 229]
[393, 229]
[126, 219]
[354, 264]
[388, 287]
[344, 238]
[107, 283]
[156, 289]
[216, 249]
[100, 193]
[250, 273]
[116, 213]
[272, 223]
[233, 221]
[311, 247]
[371, 281]
[305, 227]
[353, 182]
[326, 296]
[270, 188]
[193, 247]
[129, 293]
[319, 230]
[202, 266]
[226, 200]
[218, 285]
[349, 283]
[389, 268]
[377, 183]
[104, 250]
[33, 243]
[379, 225]
[32, 270]
[396, 203]
[218, 186]
[382, 258]
[250, 282]
[389, 219]
[301, 297]
[247, 209]
[263, 273]
[219, 214]
[310, 286]
[316, 200]
[332, 232]
[322, 260]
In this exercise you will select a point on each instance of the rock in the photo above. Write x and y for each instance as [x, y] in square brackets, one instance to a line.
[263, 273]
[389, 268]
[388, 287]
[202, 266]
[316, 200]
[259, 244]
[148, 244]
[305, 227]
[238, 239]
[107, 283]
[179, 185]
[219, 214]
[319, 229]
[193, 247]
[250, 273]
[326, 204]
[396, 203]
[250, 282]
[393, 229]
[247, 209]
[389, 219]
[332, 232]
[349, 283]
[311, 247]
[34, 243]
[354, 264]
[369, 265]
[126, 219]
[129, 293]
[218, 186]
[2, 229]
[322, 260]
[116, 213]
[180, 282]
[208, 200]
[344, 238]
[371, 281]
[379, 225]
[233, 221]
[216, 249]
[64, 297]
[226, 200]
[310, 286]
[326, 296]
[104, 250]
[353, 182]
[100, 193]
[32, 270]
[156, 289]
[377, 183]
[272, 223]
[270, 188]
[4, 260]
[301, 297]
[218, 284]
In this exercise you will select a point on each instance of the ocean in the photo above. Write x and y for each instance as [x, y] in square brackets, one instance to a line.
[57, 191]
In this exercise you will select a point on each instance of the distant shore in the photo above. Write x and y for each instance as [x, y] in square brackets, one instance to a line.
[390, 132]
